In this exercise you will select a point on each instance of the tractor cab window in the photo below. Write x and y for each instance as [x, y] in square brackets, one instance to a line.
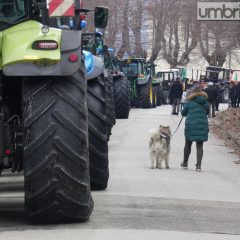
[226, 75]
[148, 70]
[153, 72]
[141, 68]
[13, 11]
[212, 75]
[167, 77]
[132, 69]
[88, 42]
[175, 75]
[108, 62]
[160, 76]
[99, 45]
[221, 75]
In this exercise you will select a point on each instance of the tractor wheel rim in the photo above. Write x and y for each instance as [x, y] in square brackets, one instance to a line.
[151, 94]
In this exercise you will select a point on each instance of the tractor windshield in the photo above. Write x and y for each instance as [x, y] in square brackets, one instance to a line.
[12, 12]
[132, 69]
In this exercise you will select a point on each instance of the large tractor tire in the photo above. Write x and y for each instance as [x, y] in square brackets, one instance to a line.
[146, 95]
[98, 133]
[159, 96]
[122, 97]
[56, 158]
[113, 102]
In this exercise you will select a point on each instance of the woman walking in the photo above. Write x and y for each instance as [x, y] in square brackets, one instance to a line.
[196, 125]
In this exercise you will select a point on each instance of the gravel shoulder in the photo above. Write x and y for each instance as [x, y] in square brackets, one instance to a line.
[226, 126]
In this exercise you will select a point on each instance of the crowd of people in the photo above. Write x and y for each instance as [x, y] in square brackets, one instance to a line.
[177, 95]
[234, 94]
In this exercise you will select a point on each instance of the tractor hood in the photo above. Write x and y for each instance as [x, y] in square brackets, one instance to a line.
[16, 45]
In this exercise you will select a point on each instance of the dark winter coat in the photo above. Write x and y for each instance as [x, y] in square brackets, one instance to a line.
[196, 125]
[238, 90]
[219, 98]
[233, 92]
[176, 90]
[212, 93]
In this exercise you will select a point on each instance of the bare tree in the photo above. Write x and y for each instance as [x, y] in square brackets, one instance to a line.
[158, 18]
[136, 19]
[173, 31]
[216, 41]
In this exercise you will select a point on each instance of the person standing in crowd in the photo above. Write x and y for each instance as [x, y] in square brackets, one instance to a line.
[218, 87]
[196, 124]
[212, 98]
[238, 94]
[233, 94]
[175, 96]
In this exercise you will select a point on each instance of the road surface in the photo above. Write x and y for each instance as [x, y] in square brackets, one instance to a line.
[141, 203]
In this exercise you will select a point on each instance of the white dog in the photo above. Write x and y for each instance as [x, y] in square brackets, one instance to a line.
[159, 146]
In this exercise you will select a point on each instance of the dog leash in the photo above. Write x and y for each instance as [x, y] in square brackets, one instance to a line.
[177, 127]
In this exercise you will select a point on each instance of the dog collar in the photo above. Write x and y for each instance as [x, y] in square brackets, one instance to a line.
[168, 139]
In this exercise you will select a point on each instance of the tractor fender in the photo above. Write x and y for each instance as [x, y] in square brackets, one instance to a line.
[94, 65]
[20, 59]
[143, 81]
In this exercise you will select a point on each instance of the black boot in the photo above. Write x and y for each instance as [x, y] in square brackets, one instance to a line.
[199, 156]
[184, 165]
[198, 168]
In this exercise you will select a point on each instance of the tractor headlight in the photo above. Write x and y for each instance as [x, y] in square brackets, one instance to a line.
[45, 30]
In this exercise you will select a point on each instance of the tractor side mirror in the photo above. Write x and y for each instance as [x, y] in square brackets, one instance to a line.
[101, 17]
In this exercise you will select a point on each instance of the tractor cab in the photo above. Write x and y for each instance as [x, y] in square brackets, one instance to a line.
[134, 68]
[13, 12]
[217, 74]
[166, 77]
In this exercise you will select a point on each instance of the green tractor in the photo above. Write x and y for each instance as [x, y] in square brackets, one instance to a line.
[140, 83]
[44, 108]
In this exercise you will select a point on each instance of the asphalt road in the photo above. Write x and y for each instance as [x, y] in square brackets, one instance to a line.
[141, 203]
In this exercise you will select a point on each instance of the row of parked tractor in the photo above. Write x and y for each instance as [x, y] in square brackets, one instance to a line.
[135, 82]
[61, 91]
